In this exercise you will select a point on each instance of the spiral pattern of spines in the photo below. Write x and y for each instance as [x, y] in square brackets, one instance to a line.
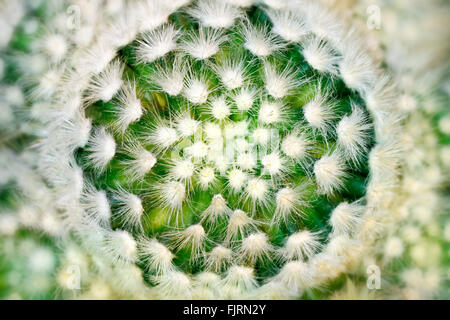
[113, 167]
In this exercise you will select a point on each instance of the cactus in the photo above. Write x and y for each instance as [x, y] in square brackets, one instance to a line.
[212, 149]
[230, 147]
[414, 250]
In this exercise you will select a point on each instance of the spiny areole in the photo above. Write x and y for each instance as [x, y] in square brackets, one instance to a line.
[221, 137]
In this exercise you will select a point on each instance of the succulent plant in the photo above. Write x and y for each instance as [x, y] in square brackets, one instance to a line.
[209, 149]
[412, 254]
[243, 147]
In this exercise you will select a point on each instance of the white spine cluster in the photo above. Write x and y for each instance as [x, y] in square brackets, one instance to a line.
[204, 44]
[170, 79]
[319, 113]
[156, 256]
[301, 245]
[157, 43]
[279, 84]
[288, 203]
[256, 247]
[102, 148]
[129, 210]
[320, 56]
[120, 246]
[352, 132]
[345, 218]
[288, 24]
[215, 14]
[96, 75]
[141, 163]
[330, 172]
[196, 89]
[193, 237]
[129, 108]
[96, 205]
[106, 84]
[260, 41]
[217, 209]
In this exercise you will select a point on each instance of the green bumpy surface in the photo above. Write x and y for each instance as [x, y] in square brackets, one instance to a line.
[157, 221]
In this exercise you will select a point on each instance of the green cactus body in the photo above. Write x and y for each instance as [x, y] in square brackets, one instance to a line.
[212, 149]
[201, 141]
[228, 149]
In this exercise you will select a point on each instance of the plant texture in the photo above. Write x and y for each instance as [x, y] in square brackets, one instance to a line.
[414, 251]
[204, 149]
